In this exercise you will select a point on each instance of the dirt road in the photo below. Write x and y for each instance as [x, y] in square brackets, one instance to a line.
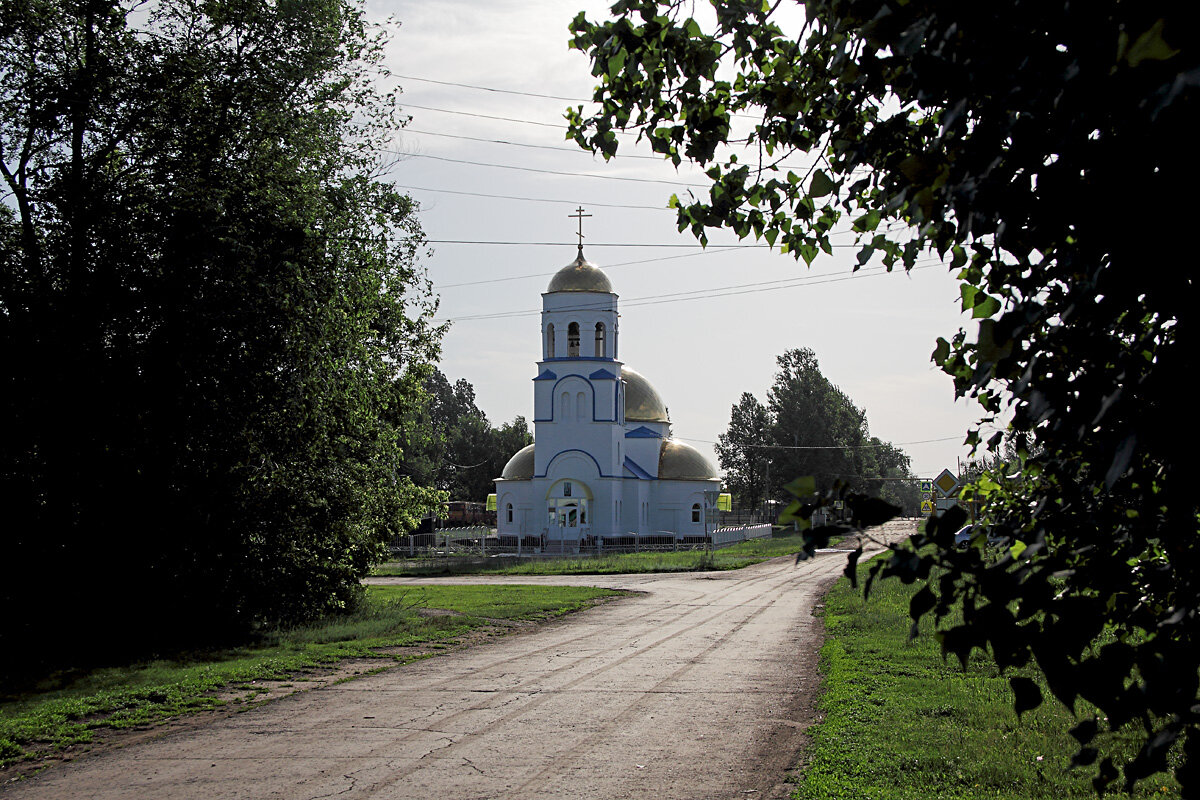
[700, 688]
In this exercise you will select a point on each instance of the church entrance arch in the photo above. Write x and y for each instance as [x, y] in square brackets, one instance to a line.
[568, 515]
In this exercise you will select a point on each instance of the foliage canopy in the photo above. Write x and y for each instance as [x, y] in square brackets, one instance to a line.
[1045, 150]
[209, 306]
[808, 427]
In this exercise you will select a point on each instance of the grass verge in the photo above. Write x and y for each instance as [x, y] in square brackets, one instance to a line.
[733, 557]
[899, 723]
[65, 712]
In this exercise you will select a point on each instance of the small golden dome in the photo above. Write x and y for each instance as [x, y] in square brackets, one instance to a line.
[580, 275]
[682, 462]
[520, 466]
[642, 401]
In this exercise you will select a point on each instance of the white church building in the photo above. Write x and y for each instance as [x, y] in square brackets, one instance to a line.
[603, 468]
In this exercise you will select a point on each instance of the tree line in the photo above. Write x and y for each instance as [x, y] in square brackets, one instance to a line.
[454, 448]
[809, 426]
[213, 323]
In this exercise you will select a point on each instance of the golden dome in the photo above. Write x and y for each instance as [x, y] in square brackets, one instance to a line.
[682, 462]
[580, 275]
[642, 401]
[520, 466]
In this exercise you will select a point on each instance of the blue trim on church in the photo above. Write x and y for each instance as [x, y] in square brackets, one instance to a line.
[602, 375]
[550, 463]
[640, 473]
[554, 393]
[546, 376]
[642, 432]
[579, 358]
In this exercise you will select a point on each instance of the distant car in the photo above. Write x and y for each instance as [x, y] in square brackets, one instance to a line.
[962, 538]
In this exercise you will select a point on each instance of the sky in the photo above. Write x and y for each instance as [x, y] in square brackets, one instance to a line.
[703, 325]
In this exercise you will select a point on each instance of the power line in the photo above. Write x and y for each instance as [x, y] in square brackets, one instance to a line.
[578, 150]
[522, 94]
[606, 266]
[492, 89]
[709, 246]
[534, 199]
[844, 446]
[544, 171]
[719, 249]
[502, 119]
[703, 294]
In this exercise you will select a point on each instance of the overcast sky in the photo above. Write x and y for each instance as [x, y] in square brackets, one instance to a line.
[702, 325]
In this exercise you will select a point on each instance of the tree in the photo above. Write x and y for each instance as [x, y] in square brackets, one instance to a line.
[742, 453]
[1011, 139]
[809, 412]
[461, 454]
[808, 427]
[210, 309]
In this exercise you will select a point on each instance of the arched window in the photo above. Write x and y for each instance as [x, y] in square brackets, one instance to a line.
[550, 340]
[581, 409]
[695, 512]
[564, 407]
[573, 339]
[508, 512]
[599, 340]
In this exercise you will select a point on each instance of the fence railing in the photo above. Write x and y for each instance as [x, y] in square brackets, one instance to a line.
[483, 542]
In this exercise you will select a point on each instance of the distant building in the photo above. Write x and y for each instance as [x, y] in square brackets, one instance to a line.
[603, 466]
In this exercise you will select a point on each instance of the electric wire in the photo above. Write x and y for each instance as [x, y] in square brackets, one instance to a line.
[544, 171]
[522, 94]
[699, 294]
[535, 199]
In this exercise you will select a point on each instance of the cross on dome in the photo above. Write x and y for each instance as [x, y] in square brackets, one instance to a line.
[579, 215]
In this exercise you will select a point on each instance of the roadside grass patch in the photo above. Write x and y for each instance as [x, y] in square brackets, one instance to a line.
[67, 710]
[736, 556]
[899, 723]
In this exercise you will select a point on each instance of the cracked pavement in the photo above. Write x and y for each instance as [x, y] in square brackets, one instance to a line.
[702, 687]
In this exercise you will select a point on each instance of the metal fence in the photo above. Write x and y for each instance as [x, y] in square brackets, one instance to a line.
[470, 543]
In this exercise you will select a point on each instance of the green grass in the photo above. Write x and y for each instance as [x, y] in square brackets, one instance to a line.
[733, 557]
[901, 724]
[65, 712]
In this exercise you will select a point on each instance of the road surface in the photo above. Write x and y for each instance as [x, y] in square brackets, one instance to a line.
[701, 687]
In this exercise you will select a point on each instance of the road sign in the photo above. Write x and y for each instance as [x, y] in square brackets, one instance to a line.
[946, 483]
[926, 506]
[927, 486]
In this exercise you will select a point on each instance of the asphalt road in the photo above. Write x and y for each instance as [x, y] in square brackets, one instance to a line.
[700, 688]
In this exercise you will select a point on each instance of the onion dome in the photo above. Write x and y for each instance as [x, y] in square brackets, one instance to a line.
[580, 275]
[682, 462]
[520, 466]
[642, 401]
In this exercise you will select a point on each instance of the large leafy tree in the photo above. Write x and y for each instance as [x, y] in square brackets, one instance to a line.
[820, 430]
[807, 427]
[209, 309]
[1043, 149]
[742, 451]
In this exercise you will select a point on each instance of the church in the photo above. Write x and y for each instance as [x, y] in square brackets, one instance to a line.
[603, 468]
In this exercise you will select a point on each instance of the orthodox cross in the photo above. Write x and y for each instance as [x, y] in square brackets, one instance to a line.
[579, 215]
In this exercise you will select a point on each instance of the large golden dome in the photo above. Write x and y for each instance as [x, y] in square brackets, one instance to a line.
[580, 275]
[682, 462]
[642, 401]
[520, 466]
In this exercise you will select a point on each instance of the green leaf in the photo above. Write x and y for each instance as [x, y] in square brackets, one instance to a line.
[868, 221]
[821, 185]
[1150, 46]
[1026, 694]
[985, 306]
[616, 62]
[941, 353]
